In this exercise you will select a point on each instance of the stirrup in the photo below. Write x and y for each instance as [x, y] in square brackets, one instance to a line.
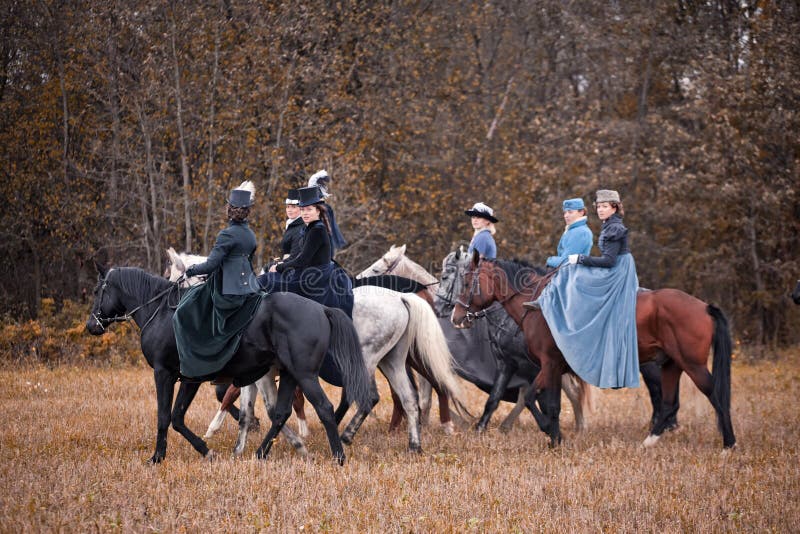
[531, 305]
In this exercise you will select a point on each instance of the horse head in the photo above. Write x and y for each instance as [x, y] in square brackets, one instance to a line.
[178, 263]
[386, 264]
[453, 265]
[479, 290]
[796, 293]
[107, 304]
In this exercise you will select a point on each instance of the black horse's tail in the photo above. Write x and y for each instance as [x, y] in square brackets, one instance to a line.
[346, 350]
[721, 374]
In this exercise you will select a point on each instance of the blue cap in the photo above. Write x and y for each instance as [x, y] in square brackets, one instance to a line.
[574, 204]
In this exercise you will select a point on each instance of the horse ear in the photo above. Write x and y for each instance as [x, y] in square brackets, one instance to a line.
[101, 269]
[402, 249]
[178, 263]
[458, 253]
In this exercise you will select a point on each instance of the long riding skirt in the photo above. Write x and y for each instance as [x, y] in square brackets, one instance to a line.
[591, 312]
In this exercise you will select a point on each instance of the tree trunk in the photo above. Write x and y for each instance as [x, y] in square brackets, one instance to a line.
[211, 201]
[187, 193]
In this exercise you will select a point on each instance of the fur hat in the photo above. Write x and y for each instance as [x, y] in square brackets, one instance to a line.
[607, 195]
[573, 204]
[479, 209]
[242, 196]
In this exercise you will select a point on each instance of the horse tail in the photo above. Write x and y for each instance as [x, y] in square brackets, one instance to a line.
[721, 370]
[346, 350]
[430, 345]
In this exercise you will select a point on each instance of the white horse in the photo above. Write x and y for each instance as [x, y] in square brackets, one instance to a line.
[388, 324]
[396, 262]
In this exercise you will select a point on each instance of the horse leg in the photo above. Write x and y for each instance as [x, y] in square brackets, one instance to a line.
[223, 391]
[316, 396]
[425, 392]
[511, 418]
[505, 371]
[246, 414]
[397, 412]
[165, 387]
[344, 405]
[445, 418]
[279, 414]
[298, 404]
[670, 374]
[358, 419]
[572, 388]
[186, 393]
[394, 369]
[269, 394]
[549, 399]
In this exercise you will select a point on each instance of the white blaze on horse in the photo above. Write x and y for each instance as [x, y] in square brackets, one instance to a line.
[389, 324]
[395, 261]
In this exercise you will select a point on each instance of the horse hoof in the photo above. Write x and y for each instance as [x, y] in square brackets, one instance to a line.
[505, 429]
[416, 449]
[155, 459]
[339, 459]
[449, 428]
[651, 440]
[347, 439]
[728, 450]
[211, 455]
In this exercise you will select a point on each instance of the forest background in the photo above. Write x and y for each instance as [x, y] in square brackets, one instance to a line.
[123, 125]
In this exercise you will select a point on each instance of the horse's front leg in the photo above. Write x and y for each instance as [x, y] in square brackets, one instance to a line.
[546, 390]
[165, 387]
[511, 418]
[505, 370]
[186, 393]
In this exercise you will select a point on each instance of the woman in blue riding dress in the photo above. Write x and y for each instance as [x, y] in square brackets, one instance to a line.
[482, 219]
[211, 317]
[312, 273]
[591, 308]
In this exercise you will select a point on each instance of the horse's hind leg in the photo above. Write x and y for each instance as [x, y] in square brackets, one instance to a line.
[394, 369]
[670, 376]
[298, 403]
[222, 392]
[397, 412]
[424, 394]
[511, 418]
[186, 394]
[316, 396]
[269, 394]
[246, 414]
[358, 419]
[280, 413]
[341, 410]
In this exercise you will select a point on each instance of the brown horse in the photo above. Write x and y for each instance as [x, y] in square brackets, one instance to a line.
[671, 325]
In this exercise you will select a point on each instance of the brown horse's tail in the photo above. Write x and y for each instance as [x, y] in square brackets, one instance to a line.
[721, 373]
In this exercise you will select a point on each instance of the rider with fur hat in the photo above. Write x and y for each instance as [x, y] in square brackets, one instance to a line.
[483, 219]
[211, 317]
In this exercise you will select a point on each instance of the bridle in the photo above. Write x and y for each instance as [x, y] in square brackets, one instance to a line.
[391, 266]
[127, 316]
[474, 288]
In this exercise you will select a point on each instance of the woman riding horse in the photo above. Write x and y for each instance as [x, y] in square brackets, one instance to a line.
[211, 316]
[591, 308]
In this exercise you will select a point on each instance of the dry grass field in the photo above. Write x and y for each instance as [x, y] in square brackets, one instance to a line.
[75, 439]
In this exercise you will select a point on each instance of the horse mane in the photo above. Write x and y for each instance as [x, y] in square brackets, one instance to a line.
[136, 281]
[518, 272]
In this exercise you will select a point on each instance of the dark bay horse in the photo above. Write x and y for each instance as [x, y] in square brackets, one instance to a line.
[286, 329]
[670, 324]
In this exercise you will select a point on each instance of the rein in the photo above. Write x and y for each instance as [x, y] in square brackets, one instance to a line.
[393, 265]
[127, 316]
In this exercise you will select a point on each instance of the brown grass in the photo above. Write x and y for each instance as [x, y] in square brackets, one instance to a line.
[75, 440]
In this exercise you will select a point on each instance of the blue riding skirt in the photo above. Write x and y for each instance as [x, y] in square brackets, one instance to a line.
[591, 312]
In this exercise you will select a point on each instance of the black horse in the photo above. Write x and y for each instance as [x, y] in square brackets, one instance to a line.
[286, 329]
[796, 293]
[503, 365]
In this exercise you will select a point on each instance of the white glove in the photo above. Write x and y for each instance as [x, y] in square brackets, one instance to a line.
[573, 258]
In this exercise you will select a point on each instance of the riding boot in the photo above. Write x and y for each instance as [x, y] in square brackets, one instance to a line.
[532, 305]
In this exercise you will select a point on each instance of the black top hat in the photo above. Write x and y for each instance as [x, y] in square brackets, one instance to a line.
[240, 198]
[310, 195]
[292, 197]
